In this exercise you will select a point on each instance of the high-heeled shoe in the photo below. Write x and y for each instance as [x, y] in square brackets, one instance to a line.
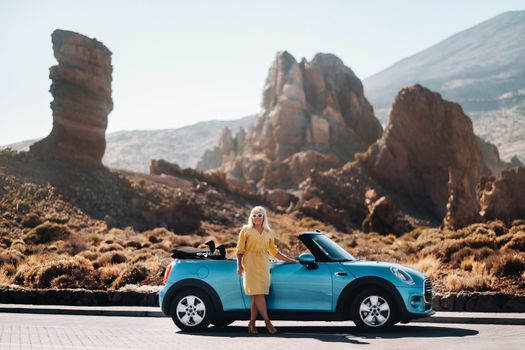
[270, 327]
[251, 328]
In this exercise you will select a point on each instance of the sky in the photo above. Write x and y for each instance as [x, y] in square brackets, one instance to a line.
[176, 63]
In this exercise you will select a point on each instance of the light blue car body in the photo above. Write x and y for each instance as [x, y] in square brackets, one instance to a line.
[298, 292]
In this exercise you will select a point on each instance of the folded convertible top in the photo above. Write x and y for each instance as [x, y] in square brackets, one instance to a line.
[187, 252]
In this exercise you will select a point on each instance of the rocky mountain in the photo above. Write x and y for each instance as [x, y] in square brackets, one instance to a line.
[480, 68]
[133, 149]
[313, 114]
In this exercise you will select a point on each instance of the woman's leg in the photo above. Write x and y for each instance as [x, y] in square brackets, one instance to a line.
[253, 317]
[260, 302]
[253, 311]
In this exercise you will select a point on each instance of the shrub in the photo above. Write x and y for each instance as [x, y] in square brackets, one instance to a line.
[110, 258]
[74, 245]
[74, 272]
[11, 257]
[47, 232]
[19, 245]
[8, 270]
[506, 264]
[31, 220]
[457, 257]
[158, 235]
[108, 274]
[475, 241]
[133, 244]
[483, 253]
[88, 254]
[109, 247]
[502, 240]
[131, 275]
[517, 242]
[466, 264]
[498, 227]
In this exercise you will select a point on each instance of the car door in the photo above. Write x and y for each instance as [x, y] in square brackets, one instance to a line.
[295, 287]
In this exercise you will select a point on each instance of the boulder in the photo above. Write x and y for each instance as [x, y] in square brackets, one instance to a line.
[383, 216]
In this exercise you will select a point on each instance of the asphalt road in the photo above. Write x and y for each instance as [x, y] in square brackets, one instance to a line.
[30, 331]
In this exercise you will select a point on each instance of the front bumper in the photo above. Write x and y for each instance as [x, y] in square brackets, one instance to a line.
[417, 301]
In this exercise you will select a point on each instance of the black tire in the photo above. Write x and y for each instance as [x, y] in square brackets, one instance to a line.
[381, 313]
[223, 323]
[192, 318]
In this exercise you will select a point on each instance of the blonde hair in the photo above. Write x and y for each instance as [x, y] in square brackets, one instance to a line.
[266, 224]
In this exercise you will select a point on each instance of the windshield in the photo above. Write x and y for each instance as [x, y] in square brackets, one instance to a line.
[332, 249]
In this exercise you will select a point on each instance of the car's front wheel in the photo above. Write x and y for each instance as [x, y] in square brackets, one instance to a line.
[191, 310]
[373, 310]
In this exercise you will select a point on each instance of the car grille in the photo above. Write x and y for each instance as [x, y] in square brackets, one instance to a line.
[428, 291]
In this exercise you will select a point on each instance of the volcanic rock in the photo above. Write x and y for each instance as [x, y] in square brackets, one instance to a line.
[81, 92]
[383, 216]
[425, 138]
[502, 197]
[462, 206]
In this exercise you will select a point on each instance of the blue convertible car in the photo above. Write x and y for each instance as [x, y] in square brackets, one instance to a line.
[327, 284]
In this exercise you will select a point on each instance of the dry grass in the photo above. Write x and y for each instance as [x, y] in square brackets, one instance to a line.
[458, 281]
[429, 265]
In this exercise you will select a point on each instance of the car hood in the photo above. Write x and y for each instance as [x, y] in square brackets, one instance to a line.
[363, 268]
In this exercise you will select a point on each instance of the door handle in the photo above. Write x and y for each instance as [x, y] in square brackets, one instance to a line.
[339, 273]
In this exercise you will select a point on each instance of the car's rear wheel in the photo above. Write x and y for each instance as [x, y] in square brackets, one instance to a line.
[191, 310]
[373, 310]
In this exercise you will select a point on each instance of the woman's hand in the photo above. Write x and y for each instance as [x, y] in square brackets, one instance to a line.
[284, 258]
[240, 270]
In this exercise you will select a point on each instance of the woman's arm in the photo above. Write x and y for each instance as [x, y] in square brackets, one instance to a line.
[283, 257]
[240, 269]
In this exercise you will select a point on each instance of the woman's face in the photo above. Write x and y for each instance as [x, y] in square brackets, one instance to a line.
[257, 217]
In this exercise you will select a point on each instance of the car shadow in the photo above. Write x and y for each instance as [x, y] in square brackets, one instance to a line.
[342, 334]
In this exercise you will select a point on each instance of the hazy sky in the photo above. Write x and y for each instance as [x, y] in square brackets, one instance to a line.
[179, 62]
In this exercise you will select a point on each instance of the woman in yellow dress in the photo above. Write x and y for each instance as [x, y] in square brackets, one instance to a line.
[256, 240]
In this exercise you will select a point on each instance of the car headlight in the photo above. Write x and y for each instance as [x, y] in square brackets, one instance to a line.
[402, 275]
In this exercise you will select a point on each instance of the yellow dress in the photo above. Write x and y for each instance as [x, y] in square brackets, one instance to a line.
[255, 246]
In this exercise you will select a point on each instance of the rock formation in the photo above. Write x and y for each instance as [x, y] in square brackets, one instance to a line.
[336, 195]
[383, 216]
[426, 137]
[81, 90]
[227, 148]
[502, 197]
[462, 206]
[427, 157]
[315, 107]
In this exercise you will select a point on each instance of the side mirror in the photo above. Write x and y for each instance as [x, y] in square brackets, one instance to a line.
[308, 260]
